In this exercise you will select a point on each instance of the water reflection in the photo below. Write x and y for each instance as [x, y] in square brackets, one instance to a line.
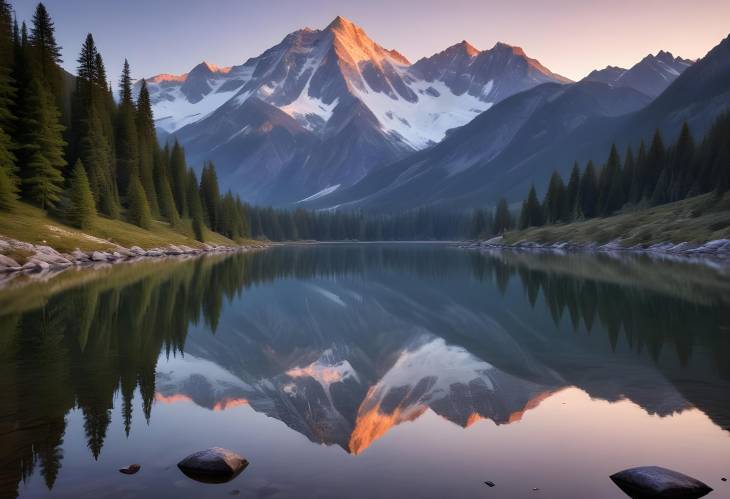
[345, 343]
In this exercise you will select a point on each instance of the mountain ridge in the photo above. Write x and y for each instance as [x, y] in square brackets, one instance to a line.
[324, 79]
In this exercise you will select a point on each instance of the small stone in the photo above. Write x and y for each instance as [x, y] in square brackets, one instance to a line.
[535, 489]
[131, 469]
[491, 484]
[723, 479]
[654, 481]
[215, 465]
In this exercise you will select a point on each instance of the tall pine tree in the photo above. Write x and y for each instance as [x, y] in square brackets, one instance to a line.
[147, 140]
[81, 208]
[127, 150]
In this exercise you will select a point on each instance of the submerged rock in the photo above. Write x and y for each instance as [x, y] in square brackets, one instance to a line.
[653, 481]
[131, 469]
[215, 465]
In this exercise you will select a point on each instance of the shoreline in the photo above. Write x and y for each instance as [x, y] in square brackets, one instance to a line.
[717, 250]
[42, 259]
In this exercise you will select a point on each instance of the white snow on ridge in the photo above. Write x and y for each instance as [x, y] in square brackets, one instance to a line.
[324, 192]
[171, 115]
[426, 121]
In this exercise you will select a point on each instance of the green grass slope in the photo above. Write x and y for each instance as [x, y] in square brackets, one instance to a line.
[695, 220]
[33, 225]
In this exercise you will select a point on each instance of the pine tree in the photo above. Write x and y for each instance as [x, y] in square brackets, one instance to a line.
[195, 206]
[680, 167]
[7, 38]
[162, 178]
[178, 178]
[655, 159]
[92, 131]
[588, 192]
[147, 144]
[571, 194]
[47, 54]
[502, 217]
[610, 185]
[628, 174]
[638, 181]
[138, 211]
[210, 195]
[40, 152]
[554, 203]
[126, 133]
[532, 212]
[81, 210]
[8, 94]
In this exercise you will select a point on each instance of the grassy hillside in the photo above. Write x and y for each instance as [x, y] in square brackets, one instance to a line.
[33, 225]
[698, 219]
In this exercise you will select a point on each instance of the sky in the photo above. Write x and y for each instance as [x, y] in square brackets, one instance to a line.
[570, 37]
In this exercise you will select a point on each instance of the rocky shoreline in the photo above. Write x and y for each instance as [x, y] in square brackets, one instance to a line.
[718, 250]
[41, 258]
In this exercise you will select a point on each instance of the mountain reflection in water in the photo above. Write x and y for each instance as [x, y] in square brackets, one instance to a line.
[343, 344]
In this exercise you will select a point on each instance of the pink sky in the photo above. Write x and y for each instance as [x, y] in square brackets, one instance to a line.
[570, 37]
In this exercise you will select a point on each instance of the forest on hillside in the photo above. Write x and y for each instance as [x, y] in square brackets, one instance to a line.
[655, 176]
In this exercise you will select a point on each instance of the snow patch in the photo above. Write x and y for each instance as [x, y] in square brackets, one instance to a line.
[324, 192]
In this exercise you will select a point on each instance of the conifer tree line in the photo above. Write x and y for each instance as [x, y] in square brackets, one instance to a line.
[425, 224]
[76, 153]
[655, 175]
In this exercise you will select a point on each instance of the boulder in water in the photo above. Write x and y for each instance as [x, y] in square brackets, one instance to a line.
[131, 469]
[648, 482]
[215, 465]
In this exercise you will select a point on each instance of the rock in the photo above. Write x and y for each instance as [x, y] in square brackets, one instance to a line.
[124, 252]
[131, 469]
[51, 259]
[653, 481]
[7, 263]
[215, 465]
[35, 266]
[80, 256]
[137, 251]
[173, 250]
[491, 484]
[99, 256]
[155, 252]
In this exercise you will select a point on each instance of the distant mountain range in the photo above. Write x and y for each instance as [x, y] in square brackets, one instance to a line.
[523, 139]
[329, 118]
[324, 108]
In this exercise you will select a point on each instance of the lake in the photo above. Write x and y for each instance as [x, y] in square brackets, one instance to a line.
[361, 371]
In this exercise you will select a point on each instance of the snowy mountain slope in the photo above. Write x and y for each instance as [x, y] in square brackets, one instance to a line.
[516, 144]
[364, 105]
[651, 76]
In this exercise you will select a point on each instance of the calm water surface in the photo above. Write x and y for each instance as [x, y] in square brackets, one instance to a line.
[362, 371]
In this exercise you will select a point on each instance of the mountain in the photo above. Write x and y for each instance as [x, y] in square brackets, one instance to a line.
[521, 140]
[494, 153]
[352, 107]
[651, 76]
